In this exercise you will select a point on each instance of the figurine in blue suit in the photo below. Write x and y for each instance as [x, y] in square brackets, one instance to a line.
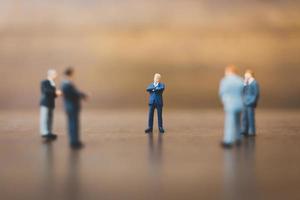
[155, 91]
[250, 97]
[72, 103]
[231, 90]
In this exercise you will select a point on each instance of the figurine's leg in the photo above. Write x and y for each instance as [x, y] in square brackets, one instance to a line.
[44, 121]
[77, 126]
[50, 121]
[73, 127]
[238, 133]
[251, 120]
[245, 121]
[159, 116]
[151, 115]
[229, 128]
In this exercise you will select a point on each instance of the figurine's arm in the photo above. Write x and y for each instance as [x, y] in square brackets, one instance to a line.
[73, 92]
[47, 90]
[160, 88]
[150, 88]
[255, 95]
[79, 94]
[221, 89]
[257, 92]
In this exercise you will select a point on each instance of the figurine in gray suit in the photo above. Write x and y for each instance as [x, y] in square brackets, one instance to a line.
[231, 90]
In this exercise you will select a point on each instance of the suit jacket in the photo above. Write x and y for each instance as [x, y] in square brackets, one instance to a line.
[72, 96]
[251, 94]
[231, 91]
[156, 94]
[48, 94]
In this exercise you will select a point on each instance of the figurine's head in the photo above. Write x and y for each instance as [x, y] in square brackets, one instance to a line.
[52, 74]
[231, 70]
[249, 74]
[157, 78]
[69, 72]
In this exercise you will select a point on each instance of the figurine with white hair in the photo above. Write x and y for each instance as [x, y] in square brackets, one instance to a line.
[155, 91]
[47, 103]
[250, 98]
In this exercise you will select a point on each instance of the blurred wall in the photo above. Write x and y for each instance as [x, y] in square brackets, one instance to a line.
[117, 46]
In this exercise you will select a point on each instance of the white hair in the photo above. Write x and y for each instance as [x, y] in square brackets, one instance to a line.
[157, 75]
[51, 72]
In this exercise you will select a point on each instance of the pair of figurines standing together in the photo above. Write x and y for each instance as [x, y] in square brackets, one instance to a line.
[240, 98]
[72, 100]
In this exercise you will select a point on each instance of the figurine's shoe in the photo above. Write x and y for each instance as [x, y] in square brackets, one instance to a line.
[244, 134]
[161, 130]
[77, 145]
[50, 136]
[251, 135]
[53, 136]
[226, 145]
[149, 130]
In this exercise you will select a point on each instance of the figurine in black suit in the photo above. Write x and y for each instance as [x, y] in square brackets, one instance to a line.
[47, 103]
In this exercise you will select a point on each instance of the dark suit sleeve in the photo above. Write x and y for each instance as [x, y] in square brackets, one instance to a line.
[47, 89]
[257, 92]
[72, 92]
[255, 95]
[150, 88]
[160, 88]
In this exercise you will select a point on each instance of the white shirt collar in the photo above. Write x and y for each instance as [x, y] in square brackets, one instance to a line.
[249, 81]
[51, 82]
[156, 84]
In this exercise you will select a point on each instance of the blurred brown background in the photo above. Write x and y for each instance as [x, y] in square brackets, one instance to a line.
[117, 46]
